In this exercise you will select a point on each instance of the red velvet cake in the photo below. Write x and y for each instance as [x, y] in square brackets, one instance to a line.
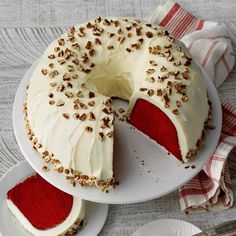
[43, 209]
[157, 126]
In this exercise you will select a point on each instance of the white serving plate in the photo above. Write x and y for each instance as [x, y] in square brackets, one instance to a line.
[167, 227]
[96, 214]
[144, 169]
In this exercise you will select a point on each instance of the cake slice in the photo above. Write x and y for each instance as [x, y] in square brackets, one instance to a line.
[43, 209]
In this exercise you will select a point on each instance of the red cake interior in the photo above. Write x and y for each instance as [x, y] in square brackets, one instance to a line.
[153, 122]
[41, 203]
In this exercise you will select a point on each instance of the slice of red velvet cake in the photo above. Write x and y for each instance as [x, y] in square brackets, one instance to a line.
[156, 124]
[43, 209]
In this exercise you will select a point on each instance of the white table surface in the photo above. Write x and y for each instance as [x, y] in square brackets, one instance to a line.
[27, 27]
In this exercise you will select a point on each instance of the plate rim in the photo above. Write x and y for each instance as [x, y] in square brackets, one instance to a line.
[24, 164]
[167, 221]
[210, 87]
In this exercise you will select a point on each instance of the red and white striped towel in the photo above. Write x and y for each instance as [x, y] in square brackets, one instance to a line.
[210, 45]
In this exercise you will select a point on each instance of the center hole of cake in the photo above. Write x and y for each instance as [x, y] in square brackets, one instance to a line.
[113, 79]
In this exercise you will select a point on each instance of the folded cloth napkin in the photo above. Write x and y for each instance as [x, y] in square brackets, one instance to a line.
[210, 45]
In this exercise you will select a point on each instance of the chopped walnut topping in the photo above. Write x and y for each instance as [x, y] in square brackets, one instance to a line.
[121, 110]
[74, 76]
[61, 61]
[92, 103]
[60, 88]
[110, 47]
[76, 101]
[88, 45]
[121, 39]
[107, 111]
[128, 28]
[89, 129]
[170, 58]
[149, 34]
[53, 73]
[106, 22]
[76, 106]
[53, 84]
[177, 63]
[57, 49]
[50, 95]
[178, 103]
[44, 71]
[52, 56]
[51, 102]
[51, 65]
[83, 85]
[166, 100]
[76, 116]
[180, 88]
[105, 123]
[162, 78]
[110, 134]
[87, 71]
[101, 136]
[66, 77]
[163, 69]
[159, 92]
[150, 92]
[61, 42]
[45, 168]
[91, 94]
[169, 45]
[155, 49]
[70, 68]
[111, 35]
[98, 41]
[69, 85]
[175, 111]
[99, 19]
[135, 45]
[60, 103]
[79, 94]
[150, 71]
[143, 89]
[185, 74]
[83, 117]
[141, 40]
[81, 32]
[153, 63]
[139, 31]
[171, 39]
[92, 52]
[91, 116]
[66, 116]
[97, 31]
[75, 46]
[116, 23]
[150, 79]
[69, 94]
[108, 102]
[184, 98]
[92, 65]
[129, 35]
[83, 106]
[188, 62]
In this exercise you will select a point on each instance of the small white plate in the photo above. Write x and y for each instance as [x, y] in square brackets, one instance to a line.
[167, 227]
[96, 214]
[143, 168]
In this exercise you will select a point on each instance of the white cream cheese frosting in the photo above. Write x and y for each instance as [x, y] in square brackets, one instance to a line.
[68, 104]
[77, 213]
